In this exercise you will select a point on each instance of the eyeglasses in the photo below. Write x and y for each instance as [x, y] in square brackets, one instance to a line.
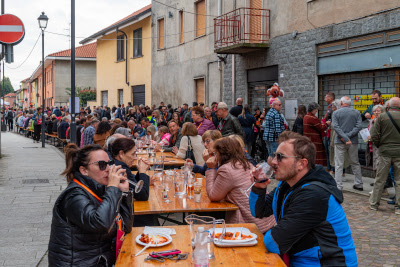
[280, 156]
[102, 164]
[206, 142]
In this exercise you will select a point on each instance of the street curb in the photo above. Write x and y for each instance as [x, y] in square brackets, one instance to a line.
[362, 193]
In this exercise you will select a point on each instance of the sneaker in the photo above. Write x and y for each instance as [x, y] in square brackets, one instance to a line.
[397, 211]
[373, 208]
[391, 202]
[357, 188]
[370, 193]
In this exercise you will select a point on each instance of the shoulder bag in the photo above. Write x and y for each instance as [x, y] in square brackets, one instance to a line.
[189, 151]
[394, 123]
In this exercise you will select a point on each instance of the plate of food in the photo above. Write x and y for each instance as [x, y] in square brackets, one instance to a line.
[155, 240]
[235, 235]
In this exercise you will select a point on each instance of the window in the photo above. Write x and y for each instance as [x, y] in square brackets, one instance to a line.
[161, 33]
[120, 96]
[200, 9]
[180, 26]
[104, 98]
[139, 95]
[137, 43]
[120, 48]
[200, 90]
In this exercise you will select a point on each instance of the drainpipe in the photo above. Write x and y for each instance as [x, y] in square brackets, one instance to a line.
[126, 61]
[207, 93]
[233, 80]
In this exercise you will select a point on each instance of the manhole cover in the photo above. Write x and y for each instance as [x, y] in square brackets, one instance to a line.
[35, 181]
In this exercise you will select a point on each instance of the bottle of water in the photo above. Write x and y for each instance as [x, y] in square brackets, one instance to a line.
[200, 254]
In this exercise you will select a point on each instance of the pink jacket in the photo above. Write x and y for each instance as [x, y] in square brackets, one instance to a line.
[164, 140]
[225, 183]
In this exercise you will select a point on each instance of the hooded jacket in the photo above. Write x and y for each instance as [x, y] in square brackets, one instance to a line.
[83, 230]
[311, 224]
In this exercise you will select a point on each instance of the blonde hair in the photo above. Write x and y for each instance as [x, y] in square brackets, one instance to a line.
[238, 138]
[152, 130]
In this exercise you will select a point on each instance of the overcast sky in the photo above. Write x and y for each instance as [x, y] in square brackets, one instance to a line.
[90, 17]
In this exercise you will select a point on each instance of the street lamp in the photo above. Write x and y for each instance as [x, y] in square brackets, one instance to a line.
[43, 19]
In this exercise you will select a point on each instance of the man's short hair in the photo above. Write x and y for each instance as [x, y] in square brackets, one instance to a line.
[346, 101]
[195, 104]
[331, 95]
[145, 119]
[198, 110]
[222, 105]
[94, 121]
[374, 92]
[302, 146]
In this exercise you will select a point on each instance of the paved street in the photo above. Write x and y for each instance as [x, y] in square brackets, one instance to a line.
[26, 207]
[25, 202]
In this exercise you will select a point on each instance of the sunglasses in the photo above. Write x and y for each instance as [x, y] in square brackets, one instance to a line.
[103, 164]
[280, 156]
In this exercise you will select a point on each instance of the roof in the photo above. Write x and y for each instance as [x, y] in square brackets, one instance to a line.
[132, 17]
[10, 95]
[25, 80]
[83, 51]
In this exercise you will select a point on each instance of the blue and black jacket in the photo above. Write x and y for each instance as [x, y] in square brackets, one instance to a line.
[311, 224]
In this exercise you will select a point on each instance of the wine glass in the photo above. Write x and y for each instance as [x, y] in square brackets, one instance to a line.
[266, 173]
[138, 186]
[162, 148]
[149, 153]
[166, 185]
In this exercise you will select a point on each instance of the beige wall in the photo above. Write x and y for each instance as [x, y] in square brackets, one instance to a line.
[290, 15]
[111, 74]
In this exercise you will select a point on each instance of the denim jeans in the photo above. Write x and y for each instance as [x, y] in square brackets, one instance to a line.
[327, 144]
[271, 147]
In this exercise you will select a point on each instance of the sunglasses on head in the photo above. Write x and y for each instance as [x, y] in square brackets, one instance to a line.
[103, 164]
[280, 156]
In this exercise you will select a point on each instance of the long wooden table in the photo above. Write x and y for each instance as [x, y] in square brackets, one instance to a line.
[156, 205]
[234, 256]
[170, 159]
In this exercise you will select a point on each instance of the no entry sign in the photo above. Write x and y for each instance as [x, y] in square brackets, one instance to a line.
[12, 30]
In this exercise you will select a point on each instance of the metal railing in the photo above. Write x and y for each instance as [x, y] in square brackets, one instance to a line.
[242, 25]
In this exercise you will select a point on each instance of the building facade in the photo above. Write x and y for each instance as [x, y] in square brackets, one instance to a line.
[57, 76]
[316, 46]
[124, 60]
[184, 65]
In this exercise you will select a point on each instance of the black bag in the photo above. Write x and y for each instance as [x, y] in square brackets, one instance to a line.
[189, 151]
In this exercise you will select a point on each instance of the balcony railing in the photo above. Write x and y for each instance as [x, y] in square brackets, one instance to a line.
[242, 30]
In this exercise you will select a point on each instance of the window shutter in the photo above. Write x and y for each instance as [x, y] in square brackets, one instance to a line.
[181, 27]
[161, 34]
[200, 18]
[200, 90]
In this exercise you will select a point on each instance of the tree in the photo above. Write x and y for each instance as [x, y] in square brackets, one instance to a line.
[8, 88]
[85, 94]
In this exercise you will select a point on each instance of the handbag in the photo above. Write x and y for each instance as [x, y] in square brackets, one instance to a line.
[189, 151]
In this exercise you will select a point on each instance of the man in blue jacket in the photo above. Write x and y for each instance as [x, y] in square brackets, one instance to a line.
[311, 228]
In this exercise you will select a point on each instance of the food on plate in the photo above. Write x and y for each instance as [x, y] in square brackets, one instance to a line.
[234, 236]
[153, 239]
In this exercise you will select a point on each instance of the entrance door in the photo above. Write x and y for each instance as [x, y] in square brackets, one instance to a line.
[104, 98]
[255, 21]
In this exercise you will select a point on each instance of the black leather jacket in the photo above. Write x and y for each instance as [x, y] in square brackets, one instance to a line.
[83, 230]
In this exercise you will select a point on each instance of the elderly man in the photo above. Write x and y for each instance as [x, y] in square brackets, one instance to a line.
[376, 97]
[311, 226]
[237, 110]
[385, 134]
[273, 126]
[228, 124]
[347, 123]
[175, 139]
[89, 132]
[202, 124]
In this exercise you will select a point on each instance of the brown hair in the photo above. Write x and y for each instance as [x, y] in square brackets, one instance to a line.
[162, 129]
[213, 134]
[331, 95]
[198, 110]
[302, 146]
[121, 144]
[230, 150]
[190, 129]
[76, 157]
[374, 92]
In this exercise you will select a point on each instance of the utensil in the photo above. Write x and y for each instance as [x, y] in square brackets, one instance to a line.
[143, 249]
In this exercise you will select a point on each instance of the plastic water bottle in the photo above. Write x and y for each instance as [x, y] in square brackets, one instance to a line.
[200, 254]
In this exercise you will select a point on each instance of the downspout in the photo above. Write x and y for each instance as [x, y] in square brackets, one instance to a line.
[126, 60]
[219, 61]
[207, 94]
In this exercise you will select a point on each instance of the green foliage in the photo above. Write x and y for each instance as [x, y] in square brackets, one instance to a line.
[7, 86]
[84, 94]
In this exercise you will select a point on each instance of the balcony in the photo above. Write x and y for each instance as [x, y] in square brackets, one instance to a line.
[241, 31]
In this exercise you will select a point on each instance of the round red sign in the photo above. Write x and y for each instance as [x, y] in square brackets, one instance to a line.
[12, 30]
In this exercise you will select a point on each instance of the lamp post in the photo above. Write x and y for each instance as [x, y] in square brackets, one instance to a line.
[43, 19]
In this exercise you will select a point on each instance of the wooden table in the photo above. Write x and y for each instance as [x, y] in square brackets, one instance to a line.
[156, 205]
[234, 256]
[170, 159]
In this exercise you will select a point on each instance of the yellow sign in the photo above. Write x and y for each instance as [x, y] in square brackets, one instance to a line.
[361, 102]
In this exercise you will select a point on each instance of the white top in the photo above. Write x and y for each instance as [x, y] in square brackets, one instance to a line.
[198, 148]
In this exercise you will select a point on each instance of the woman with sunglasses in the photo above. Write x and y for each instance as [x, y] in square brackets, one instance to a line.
[230, 180]
[88, 213]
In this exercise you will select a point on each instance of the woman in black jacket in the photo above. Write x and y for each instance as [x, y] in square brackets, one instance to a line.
[84, 228]
[123, 151]
[298, 123]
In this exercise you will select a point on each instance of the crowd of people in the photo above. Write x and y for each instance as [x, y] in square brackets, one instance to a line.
[227, 145]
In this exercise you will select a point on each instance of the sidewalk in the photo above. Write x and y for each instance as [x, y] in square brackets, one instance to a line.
[29, 185]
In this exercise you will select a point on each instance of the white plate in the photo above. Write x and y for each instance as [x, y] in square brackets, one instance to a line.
[155, 245]
[141, 153]
[235, 230]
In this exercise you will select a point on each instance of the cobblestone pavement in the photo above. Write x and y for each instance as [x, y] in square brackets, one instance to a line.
[26, 208]
[25, 202]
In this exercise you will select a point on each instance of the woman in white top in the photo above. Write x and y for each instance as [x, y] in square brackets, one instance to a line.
[190, 130]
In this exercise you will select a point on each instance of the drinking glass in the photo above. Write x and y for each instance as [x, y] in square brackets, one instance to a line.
[179, 184]
[166, 185]
[266, 173]
[138, 186]
[197, 191]
[158, 164]
[190, 185]
[149, 153]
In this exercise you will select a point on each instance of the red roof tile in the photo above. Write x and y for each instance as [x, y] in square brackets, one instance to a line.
[88, 50]
[10, 95]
